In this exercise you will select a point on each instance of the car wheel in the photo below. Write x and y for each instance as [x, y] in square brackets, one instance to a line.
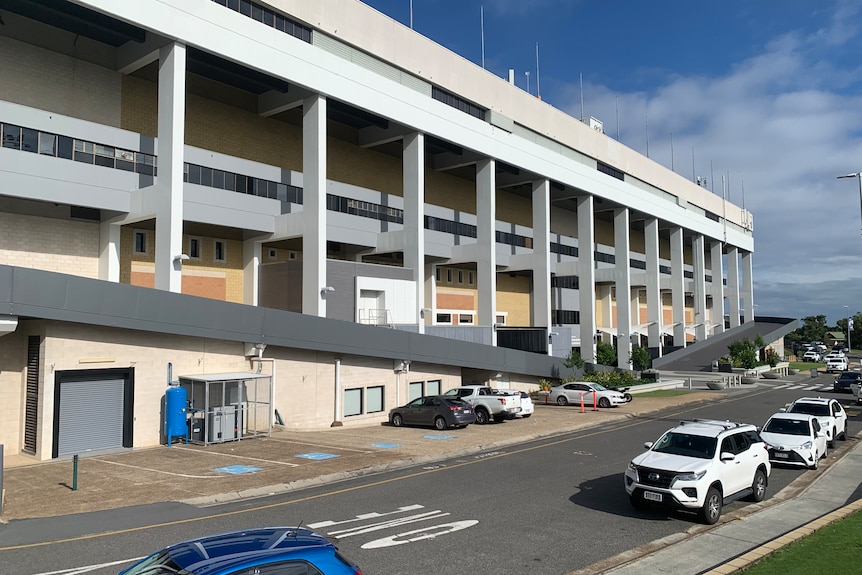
[397, 420]
[711, 510]
[843, 435]
[604, 402]
[758, 486]
[562, 400]
[817, 459]
[439, 423]
[831, 443]
[481, 416]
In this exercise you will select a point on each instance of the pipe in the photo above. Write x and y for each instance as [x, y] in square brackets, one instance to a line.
[336, 422]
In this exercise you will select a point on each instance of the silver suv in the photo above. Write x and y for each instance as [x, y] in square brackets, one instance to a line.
[700, 465]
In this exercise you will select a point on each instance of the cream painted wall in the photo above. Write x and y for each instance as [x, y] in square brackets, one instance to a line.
[64, 246]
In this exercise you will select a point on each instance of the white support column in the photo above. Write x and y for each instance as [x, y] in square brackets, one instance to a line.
[717, 291]
[698, 255]
[109, 251]
[623, 283]
[314, 206]
[486, 215]
[413, 173]
[252, 251]
[587, 277]
[169, 203]
[542, 254]
[747, 286]
[677, 280]
[653, 281]
[733, 285]
[430, 296]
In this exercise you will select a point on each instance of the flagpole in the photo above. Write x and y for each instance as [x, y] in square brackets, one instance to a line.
[482, 24]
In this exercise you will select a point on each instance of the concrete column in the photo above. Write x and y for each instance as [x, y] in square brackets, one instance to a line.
[733, 285]
[169, 190]
[653, 281]
[314, 206]
[747, 286]
[542, 254]
[717, 287]
[677, 280]
[430, 297]
[486, 215]
[413, 173]
[698, 255]
[109, 251]
[587, 277]
[623, 283]
[252, 251]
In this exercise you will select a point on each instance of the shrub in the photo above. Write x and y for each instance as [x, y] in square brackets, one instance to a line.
[606, 354]
[743, 353]
[611, 379]
[574, 361]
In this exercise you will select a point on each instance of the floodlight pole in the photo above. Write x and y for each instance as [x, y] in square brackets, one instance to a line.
[858, 176]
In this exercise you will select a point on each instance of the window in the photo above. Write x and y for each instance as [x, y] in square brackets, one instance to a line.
[433, 387]
[501, 319]
[448, 276]
[291, 255]
[415, 389]
[460, 276]
[352, 401]
[465, 319]
[195, 248]
[374, 399]
[470, 278]
[219, 251]
[443, 318]
[437, 274]
[141, 242]
[273, 253]
[48, 144]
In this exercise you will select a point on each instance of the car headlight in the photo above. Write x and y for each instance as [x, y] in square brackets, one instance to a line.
[808, 445]
[694, 476]
[634, 469]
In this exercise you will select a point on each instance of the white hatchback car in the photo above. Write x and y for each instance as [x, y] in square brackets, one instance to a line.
[830, 413]
[795, 439]
[700, 465]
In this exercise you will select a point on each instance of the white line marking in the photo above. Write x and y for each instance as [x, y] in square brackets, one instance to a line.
[425, 534]
[160, 471]
[364, 516]
[87, 568]
[287, 463]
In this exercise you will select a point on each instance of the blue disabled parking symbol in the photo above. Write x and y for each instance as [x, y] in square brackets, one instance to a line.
[317, 456]
[236, 469]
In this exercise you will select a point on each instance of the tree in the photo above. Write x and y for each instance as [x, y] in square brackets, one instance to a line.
[606, 354]
[641, 359]
[743, 353]
[574, 360]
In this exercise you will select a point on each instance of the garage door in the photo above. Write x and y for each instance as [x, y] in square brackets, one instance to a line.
[91, 415]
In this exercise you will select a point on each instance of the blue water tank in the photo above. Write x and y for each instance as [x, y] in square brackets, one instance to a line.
[175, 413]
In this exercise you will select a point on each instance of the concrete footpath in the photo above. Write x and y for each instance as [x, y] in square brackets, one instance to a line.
[290, 460]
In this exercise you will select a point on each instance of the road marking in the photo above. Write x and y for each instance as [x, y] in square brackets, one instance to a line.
[540, 445]
[88, 568]
[364, 516]
[812, 387]
[159, 471]
[423, 534]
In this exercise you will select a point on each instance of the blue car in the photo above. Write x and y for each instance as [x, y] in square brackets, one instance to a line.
[266, 551]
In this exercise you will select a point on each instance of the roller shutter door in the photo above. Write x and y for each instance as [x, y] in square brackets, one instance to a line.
[91, 415]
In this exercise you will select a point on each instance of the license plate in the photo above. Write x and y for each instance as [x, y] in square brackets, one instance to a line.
[780, 455]
[649, 495]
[466, 411]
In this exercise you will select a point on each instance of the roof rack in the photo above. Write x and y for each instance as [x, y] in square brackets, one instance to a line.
[727, 424]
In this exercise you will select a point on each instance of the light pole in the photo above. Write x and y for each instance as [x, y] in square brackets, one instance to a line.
[848, 329]
[527, 74]
[857, 175]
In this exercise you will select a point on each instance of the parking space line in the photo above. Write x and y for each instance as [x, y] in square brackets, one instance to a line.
[231, 455]
[159, 470]
[328, 446]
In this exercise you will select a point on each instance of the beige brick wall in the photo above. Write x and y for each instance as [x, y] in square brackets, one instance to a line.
[13, 372]
[40, 78]
[64, 246]
[513, 297]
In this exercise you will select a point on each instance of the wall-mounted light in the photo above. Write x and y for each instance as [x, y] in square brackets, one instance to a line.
[498, 325]
[181, 257]
[423, 311]
[325, 290]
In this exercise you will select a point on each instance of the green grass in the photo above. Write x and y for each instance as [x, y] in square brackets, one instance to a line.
[805, 365]
[662, 393]
[835, 549]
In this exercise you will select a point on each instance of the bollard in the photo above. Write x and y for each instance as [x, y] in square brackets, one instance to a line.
[582, 402]
[75, 472]
[1, 480]
[595, 395]
[689, 383]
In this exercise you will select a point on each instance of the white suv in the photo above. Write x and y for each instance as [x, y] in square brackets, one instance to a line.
[700, 465]
[833, 418]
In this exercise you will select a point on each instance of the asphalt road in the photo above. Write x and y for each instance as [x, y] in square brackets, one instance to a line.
[550, 507]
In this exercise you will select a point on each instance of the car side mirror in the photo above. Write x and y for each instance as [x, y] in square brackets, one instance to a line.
[783, 409]
[820, 434]
[727, 456]
[648, 444]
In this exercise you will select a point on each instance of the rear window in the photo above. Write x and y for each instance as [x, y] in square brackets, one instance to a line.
[810, 408]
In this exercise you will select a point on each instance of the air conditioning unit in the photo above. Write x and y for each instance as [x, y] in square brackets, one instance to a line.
[597, 125]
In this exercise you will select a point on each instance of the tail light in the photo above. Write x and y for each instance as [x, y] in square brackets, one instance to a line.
[451, 408]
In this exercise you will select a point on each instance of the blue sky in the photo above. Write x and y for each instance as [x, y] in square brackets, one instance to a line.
[767, 93]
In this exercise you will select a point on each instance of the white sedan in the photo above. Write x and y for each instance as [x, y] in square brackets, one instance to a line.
[571, 393]
[795, 439]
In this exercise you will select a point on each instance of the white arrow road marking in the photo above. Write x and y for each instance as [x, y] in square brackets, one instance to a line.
[421, 534]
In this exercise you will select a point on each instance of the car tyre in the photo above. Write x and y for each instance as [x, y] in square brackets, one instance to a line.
[711, 510]
[831, 443]
[481, 416]
[439, 423]
[758, 486]
[499, 418]
[604, 402]
[562, 400]
[843, 436]
[397, 420]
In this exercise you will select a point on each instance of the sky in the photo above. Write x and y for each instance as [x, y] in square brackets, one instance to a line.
[764, 93]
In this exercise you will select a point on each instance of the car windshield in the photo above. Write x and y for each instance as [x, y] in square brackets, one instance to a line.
[810, 408]
[676, 443]
[157, 564]
[598, 386]
[787, 426]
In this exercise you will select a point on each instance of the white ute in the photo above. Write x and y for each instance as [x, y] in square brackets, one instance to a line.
[488, 403]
